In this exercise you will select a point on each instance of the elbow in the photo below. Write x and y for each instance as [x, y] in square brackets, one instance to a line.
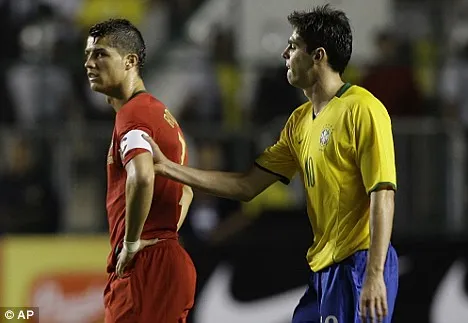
[246, 193]
[244, 197]
[141, 179]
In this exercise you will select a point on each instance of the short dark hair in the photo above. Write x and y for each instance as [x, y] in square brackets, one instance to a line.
[328, 28]
[123, 36]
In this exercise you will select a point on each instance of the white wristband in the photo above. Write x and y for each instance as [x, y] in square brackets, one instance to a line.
[131, 246]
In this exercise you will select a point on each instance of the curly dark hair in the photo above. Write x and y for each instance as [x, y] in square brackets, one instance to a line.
[328, 28]
[123, 36]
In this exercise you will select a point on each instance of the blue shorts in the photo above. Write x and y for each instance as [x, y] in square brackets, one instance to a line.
[332, 295]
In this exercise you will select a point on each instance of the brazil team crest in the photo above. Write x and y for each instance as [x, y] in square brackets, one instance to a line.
[325, 136]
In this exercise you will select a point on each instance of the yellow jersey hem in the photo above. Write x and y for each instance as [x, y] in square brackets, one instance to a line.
[283, 178]
[378, 185]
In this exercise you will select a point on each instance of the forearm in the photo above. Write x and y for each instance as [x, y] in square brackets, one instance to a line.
[138, 199]
[381, 224]
[223, 184]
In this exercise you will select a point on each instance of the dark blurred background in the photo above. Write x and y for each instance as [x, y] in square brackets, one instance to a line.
[216, 64]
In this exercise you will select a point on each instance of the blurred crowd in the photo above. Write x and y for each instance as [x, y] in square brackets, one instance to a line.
[44, 95]
[55, 131]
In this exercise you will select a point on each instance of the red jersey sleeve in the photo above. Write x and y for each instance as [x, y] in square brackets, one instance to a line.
[135, 115]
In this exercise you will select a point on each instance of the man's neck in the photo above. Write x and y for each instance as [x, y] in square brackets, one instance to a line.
[125, 93]
[323, 91]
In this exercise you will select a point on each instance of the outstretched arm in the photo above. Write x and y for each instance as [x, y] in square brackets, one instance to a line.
[237, 186]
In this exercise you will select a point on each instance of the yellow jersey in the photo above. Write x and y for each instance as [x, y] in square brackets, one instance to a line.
[342, 155]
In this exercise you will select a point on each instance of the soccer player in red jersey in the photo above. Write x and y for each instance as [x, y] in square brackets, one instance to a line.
[151, 277]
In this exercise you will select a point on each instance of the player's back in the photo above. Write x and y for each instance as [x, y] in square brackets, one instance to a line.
[144, 114]
[166, 207]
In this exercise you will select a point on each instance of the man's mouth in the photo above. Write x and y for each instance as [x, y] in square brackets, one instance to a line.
[92, 76]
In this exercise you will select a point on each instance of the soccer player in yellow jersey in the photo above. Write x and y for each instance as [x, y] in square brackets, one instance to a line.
[340, 143]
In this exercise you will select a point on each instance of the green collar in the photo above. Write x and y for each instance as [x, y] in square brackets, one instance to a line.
[343, 89]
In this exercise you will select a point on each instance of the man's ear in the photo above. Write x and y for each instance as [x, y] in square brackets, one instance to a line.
[131, 61]
[319, 54]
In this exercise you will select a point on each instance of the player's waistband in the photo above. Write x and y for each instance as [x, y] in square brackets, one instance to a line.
[113, 256]
[119, 246]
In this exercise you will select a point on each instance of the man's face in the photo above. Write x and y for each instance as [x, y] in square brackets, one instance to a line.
[105, 67]
[299, 63]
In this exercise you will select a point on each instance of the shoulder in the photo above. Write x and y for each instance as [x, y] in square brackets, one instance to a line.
[141, 107]
[360, 101]
[144, 112]
[144, 109]
[298, 114]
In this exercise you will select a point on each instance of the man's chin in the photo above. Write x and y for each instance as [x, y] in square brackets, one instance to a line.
[291, 79]
[293, 83]
[297, 83]
[97, 87]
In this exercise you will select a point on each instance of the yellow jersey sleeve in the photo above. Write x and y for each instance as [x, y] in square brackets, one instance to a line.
[278, 159]
[374, 146]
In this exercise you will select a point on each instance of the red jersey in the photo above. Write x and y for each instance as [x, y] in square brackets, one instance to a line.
[144, 112]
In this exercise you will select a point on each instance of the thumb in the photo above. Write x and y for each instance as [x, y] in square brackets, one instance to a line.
[150, 141]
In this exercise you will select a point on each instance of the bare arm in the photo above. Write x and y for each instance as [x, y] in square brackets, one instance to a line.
[237, 186]
[138, 194]
[381, 224]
